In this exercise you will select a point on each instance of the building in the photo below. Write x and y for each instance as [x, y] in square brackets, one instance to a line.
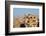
[28, 20]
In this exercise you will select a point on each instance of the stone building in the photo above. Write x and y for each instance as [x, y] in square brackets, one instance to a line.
[27, 20]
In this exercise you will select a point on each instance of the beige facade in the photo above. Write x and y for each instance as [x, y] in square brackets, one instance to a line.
[30, 21]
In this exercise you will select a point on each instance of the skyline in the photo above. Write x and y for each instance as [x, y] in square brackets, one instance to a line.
[22, 11]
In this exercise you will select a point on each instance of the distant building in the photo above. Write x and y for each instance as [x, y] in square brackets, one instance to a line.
[30, 20]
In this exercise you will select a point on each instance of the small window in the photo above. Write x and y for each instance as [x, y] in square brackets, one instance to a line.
[31, 17]
[34, 17]
[28, 21]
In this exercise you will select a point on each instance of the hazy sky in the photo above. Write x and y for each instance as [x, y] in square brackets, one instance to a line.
[22, 11]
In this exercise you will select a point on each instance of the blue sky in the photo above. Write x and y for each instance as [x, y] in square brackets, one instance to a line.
[22, 11]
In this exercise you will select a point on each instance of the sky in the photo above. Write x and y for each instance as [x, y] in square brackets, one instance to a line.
[22, 11]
